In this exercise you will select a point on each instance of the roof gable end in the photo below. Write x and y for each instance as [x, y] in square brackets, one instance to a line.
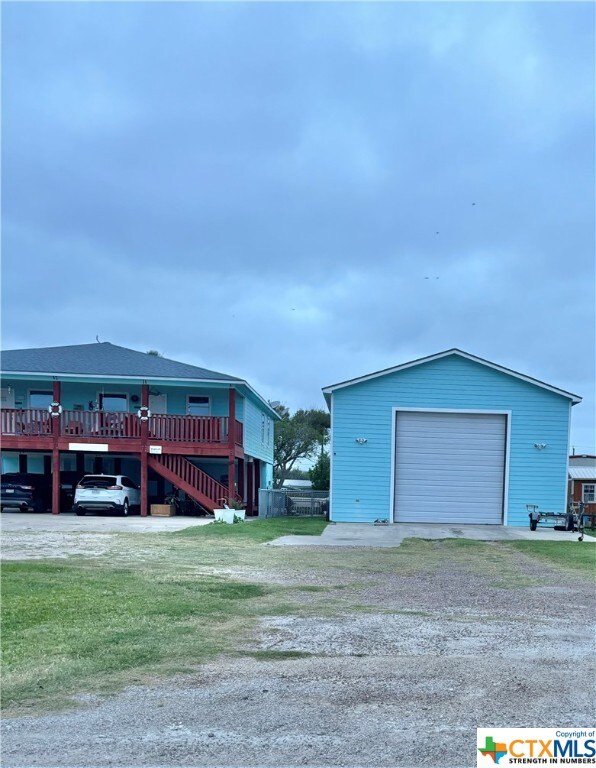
[328, 391]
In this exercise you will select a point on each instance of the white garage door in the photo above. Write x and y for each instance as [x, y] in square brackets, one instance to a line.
[449, 467]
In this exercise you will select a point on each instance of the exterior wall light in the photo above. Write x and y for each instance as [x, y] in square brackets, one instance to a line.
[361, 440]
[540, 446]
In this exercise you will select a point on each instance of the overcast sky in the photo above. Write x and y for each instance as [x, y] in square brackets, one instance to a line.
[298, 194]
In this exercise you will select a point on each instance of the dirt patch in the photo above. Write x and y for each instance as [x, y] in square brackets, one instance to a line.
[436, 635]
[51, 545]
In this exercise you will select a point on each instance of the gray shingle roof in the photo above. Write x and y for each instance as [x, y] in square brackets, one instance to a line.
[103, 359]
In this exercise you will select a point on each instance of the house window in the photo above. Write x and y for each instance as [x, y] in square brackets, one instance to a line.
[7, 397]
[262, 428]
[40, 399]
[589, 493]
[113, 402]
[268, 431]
[197, 405]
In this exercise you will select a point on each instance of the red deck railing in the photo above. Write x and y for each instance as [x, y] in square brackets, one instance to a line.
[94, 424]
[25, 421]
[99, 424]
[189, 429]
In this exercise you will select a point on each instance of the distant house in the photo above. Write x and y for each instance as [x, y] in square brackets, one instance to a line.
[450, 438]
[297, 485]
[102, 408]
[582, 481]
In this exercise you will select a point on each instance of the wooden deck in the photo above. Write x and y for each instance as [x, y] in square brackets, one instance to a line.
[34, 429]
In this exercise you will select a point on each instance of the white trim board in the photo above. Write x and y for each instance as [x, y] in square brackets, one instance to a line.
[95, 447]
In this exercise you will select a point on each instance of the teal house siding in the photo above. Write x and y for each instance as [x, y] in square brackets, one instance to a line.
[76, 393]
[266, 475]
[362, 473]
[258, 432]
[10, 462]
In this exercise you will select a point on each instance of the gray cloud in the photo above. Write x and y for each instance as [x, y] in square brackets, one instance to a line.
[258, 188]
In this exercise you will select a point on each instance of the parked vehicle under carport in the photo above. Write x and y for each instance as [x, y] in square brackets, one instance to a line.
[25, 492]
[106, 493]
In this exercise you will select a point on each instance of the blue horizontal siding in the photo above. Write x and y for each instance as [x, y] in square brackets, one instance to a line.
[361, 474]
[258, 432]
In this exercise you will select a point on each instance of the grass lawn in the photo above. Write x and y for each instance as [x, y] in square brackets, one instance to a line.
[96, 624]
[72, 625]
[258, 531]
[158, 604]
[576, 555]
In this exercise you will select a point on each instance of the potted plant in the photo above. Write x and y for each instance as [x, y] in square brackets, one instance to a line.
[232, 510]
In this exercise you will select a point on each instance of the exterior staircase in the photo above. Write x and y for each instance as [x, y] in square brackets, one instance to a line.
[190, 479]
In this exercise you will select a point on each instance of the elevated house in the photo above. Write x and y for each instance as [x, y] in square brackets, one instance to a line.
[103, 408]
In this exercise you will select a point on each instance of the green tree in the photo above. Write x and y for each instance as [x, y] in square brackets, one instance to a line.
[320, 473]
[298, 474]
[300, 436]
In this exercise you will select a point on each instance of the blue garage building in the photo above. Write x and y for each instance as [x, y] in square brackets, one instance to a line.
[449, 438]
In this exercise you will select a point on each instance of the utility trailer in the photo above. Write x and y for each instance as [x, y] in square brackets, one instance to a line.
[572, 520]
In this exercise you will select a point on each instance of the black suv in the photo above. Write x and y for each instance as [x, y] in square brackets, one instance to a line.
[26, 492]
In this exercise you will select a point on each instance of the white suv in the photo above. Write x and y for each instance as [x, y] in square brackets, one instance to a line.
[101, 493]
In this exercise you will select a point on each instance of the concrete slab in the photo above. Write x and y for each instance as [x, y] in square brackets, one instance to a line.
[367, 535]
[67, 522]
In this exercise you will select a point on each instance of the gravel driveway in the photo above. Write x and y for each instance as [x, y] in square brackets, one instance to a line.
[404, 680]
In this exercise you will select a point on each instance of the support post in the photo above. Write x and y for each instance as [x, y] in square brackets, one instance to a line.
[232, 476]
[249, 488]
[55, 452]
[145, 395]
[55, 480]
[232, 418]
[144, 482]
[144, 449]
[257, 481]
[241, 478]
[232, 442]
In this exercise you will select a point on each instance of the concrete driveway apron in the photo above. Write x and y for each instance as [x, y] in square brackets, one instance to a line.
[367, 535]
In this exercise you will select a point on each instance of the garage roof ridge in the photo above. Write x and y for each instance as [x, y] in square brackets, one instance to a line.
[575, 399]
